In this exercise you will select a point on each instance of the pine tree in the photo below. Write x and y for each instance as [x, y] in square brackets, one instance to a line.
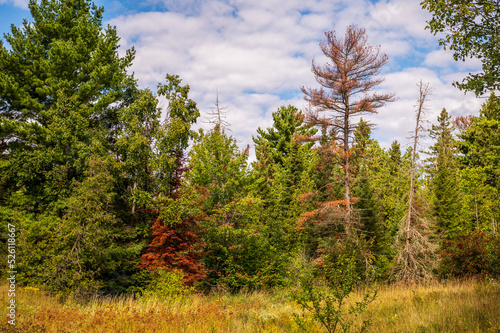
[283, 172]
[288, 124]
[350, 74]
[279, 149]
[63, 87]
[62, 84]
[217, 164]
[444, 173]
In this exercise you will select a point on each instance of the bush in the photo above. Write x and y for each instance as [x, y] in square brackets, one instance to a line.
[327, 303]
[238, 252]
[476, 254]
[166, 284]
[239, 258]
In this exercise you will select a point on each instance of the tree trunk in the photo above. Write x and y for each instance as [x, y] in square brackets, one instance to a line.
[347, 179]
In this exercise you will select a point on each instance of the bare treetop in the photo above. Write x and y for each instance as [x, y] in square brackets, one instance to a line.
[217, 117]
[349, 73]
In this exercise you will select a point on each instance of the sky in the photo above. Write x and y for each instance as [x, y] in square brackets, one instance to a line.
[257, 54]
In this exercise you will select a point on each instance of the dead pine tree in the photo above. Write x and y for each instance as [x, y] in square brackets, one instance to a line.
[346, 80]
[217, 117]
[416, 249]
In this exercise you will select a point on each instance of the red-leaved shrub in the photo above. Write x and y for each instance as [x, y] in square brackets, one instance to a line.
[476, 254]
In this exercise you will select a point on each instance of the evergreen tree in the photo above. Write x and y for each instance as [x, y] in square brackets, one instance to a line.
[480, 142]
[283, 172]
[278, 147]
[388, 174]
[367, 207]
[219, 166]
[444, 175]
[480, 145]
[175, 232]
[288, 124]
[62, 85]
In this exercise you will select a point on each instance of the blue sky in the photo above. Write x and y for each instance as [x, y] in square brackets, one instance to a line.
[257, 54]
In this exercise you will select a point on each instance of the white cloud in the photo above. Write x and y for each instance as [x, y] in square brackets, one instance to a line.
[397, 119]
[18, 3]
[258, 54]
[439, 58]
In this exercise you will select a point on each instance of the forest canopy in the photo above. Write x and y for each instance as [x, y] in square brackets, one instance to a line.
[111, 194]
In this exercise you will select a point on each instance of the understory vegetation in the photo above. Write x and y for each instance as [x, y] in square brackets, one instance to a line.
[458, 306]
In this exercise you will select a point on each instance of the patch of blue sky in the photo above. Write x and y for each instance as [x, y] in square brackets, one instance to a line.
[114, 8]
[9, 14]
[305, 12]
[291, 94]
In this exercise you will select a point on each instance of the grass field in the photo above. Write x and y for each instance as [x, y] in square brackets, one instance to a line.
[445, 307]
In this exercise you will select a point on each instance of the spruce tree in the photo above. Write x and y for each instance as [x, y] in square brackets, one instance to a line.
[283, 172]
[279, 149]
[444, 173]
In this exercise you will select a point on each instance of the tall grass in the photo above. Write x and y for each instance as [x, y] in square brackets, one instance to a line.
[439, 307]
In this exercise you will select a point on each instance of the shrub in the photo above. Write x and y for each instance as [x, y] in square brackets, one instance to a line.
[476, 254]
[166, 284]
[242, 258]
[327, 304]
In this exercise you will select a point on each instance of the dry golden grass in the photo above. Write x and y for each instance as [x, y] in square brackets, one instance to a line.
[450, 307]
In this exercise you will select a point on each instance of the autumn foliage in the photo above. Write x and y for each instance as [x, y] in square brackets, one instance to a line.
[175, 248]
[476, 254]
[175, 243]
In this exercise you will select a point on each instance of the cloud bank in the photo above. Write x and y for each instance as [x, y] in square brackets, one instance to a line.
[257, 54]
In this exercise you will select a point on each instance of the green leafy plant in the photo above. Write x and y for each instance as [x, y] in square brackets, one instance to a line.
[166, 283]
[327, 303]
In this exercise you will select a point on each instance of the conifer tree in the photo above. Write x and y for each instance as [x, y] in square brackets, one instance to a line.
[480, 144]
[288, 124]
[279, 149]
[346, 83]
[444, 173]
[393, 184]
[175, 240]
[481, 141]
[367, 207]
[64, 56]
[415, 247]
[283, 172]
[217, 164]
[63, 87]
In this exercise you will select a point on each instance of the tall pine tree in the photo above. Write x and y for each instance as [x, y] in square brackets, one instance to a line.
[444, 176]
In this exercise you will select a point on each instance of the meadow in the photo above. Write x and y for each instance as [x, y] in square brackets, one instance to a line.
[458, 306]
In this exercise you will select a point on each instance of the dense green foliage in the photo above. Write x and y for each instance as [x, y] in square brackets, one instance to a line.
[111, 194]
[471, 31]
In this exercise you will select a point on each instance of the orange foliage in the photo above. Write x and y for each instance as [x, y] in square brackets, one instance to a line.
[176, 248]
[462, 122]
